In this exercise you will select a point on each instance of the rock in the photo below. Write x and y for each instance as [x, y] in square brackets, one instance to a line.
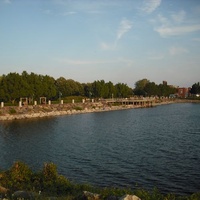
[22, 195]
[3, 190]
[91, 196]
[130, 197]
[112, 198]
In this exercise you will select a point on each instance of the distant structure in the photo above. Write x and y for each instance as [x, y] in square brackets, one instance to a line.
[183, 92]
[164, 82]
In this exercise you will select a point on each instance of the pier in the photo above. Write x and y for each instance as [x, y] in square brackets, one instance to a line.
[142, 102]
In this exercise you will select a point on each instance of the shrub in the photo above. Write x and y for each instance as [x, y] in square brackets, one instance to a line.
[78, 108]
[12, 111]
[19, 177]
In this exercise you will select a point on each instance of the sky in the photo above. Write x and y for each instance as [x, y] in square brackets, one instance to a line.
[121, 41]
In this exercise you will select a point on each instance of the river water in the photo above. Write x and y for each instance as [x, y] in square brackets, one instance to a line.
[148, 147]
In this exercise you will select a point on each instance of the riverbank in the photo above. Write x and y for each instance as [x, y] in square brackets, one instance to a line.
[8, 113]
[40, 111]
[20, 182]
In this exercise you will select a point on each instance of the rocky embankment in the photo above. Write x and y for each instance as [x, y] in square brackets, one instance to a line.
[86, 195]
[39, 111]
[46, 110]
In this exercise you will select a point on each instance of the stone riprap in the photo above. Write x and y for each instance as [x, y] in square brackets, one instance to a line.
[39, 111]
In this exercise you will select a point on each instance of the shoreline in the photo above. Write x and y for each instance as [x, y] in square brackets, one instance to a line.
[10, 113]
[46, 111]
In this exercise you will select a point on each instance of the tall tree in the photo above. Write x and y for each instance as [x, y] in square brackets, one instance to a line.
[195, 88]
[111, 90]
[122, 90]
[98, 88]
[151, 89]
[69, 87]
[87, 87]
[139, 87]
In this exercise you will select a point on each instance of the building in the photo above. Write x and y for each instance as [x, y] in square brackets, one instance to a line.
[183, 92]
[164, 82]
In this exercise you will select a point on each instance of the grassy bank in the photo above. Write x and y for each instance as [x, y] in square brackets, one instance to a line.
[52, 184]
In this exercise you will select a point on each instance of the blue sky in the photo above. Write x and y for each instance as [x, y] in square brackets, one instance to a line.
[114, 40]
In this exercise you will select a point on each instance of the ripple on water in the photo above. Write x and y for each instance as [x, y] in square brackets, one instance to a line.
[145, 147]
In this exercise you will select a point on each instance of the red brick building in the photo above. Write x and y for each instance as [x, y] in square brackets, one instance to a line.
[183, 92]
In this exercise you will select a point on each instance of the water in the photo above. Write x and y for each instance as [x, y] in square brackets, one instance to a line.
[150, 147]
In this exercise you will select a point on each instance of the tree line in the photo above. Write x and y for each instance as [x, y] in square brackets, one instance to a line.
[146, 88]
[14, 86]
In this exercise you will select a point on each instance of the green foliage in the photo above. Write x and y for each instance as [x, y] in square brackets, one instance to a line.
[15, 86]
[12, 111]
[100, 89]
[146, 88]
[21, 177]
[77, 99]
[139, 87]
[195, 88]
[68, 87]
[112, 191]
[18, 177]
[87, 87]
[122, 90]
[53, 183]
[78, 108]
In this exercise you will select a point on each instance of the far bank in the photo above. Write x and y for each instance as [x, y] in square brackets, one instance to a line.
[50, 110]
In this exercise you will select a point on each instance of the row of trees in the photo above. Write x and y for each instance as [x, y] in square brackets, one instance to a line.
[146, 88]
[14, 86]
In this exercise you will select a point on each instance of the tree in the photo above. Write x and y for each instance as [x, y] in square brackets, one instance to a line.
[151, 89]
[69, 87]
[139, 87]
[111, 90]
[146, 88]
[49, 176]
[195, 88]
[165, 90]
[49, 88]
[87, 87]
[122, 90]
[52, 182]
[12, 87]
[19, 176]
[98, 88]
[3, 88]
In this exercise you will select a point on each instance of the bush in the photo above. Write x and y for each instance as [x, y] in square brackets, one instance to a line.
[78, 108]
[21, 177]
[12, 111]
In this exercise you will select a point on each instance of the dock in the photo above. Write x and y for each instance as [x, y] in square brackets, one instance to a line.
[142, 102]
